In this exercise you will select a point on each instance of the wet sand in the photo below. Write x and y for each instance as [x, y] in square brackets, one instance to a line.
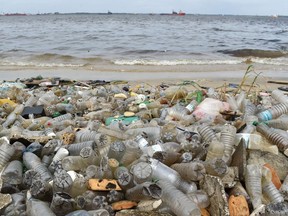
[206, 75]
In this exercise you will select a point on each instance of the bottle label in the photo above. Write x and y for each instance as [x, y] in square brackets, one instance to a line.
[156, 148]
[190, 107]
[141, 142]
[265, 115]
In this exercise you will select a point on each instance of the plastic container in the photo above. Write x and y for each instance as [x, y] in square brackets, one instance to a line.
[6, 152]
[206, 133]
[62, 181]
[200, 197]
[279, 96]
[62, 204]
[13, 173]
[274, 137]
[144, 191]
[31, 161]
[268, 188]
[193, 171]
[177, 201]
[273, 112]
[227, 137]
[253, 184]
[163, 172]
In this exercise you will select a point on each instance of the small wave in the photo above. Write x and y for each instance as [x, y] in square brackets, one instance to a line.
[34, 64]
[175, 62]
[148, 51]
[254, 53]
[52, 56]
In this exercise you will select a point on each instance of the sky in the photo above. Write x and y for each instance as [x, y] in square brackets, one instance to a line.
[236, 7]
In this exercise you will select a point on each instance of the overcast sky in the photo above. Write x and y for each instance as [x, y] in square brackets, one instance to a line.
[237, 7]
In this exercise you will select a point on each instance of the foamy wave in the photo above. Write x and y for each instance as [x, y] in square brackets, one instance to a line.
[33, 64]
[268, 61]
[175, 62]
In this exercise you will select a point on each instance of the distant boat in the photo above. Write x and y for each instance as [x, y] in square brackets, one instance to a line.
[181, 13]
[109, 12]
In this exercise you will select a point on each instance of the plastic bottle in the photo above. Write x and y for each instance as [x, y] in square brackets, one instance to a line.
[60, 154]
[163, 172]
[13, 173]
[274, 137]
[279, 96]
[273, 112]
[216, 167]
[79, 186]
[178, 202]
[41, 190]
[62, 181]
[142, 172]
[18, 205]
[280, 123]
[74, 149]
[125, 180]
[166, 147]
[206, 133]
[284, 188]
[131, 154]
[268, 188]
[117, 150]
[215, 150]
[6, 152]
[193, 171]
[37, 207]
[276, 209]
[253, 184]
[31, 161]
[200, 197]
[62, 204]
[144, 191]
[227, 137]
[167, 158]
[29, 176]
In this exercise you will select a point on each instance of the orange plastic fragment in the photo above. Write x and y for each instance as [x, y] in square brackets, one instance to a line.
[123, 204]
[238, 206]
[104, 184]
[204, 212]
[275, 178]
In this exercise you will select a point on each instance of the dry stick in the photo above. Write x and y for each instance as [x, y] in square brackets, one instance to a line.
[252, 84]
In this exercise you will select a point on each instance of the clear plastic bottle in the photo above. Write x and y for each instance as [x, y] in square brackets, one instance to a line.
[166, 147]
[142, 172]
[37, 207]
[193, 171]
[215, 150]
[41, 190]
[179, 202]
[253, 184]
[227, 137]
[6, 152]
[206, 133]
[273, 112]
[62, 204]
[60, 154]
[279, 96]
[280, 123]
[13, 173]
[144, 191]
[284, 188]
[268, 188]
[74, 149]
[163, 172]
[31, 161]
[79, 186]
[167, 158]
[200, 197]
[117, 150]
[274, 137]
[216, 167]
[62, 181]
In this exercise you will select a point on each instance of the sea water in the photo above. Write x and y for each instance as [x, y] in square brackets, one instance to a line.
[141, 40]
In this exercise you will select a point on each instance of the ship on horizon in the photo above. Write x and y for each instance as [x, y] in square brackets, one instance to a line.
[180, 13]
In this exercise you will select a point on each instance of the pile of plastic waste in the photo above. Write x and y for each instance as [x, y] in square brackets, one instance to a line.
[112, 148]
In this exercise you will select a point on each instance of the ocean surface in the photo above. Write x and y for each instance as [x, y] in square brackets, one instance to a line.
[91, 40]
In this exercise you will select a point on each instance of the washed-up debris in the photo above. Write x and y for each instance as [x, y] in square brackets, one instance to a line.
[99, 147]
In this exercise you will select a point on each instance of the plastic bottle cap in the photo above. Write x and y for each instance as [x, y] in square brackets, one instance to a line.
[142, 106]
